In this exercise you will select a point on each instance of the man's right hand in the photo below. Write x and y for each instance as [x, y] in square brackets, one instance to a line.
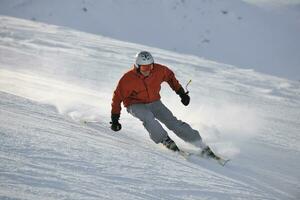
[115, 125]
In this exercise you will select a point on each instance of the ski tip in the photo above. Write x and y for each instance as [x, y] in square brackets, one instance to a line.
[223, 162]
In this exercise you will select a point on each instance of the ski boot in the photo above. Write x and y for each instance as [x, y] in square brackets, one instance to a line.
[207, 152]
[170, 144]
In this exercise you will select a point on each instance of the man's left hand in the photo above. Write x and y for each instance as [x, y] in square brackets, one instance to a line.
[185, 98]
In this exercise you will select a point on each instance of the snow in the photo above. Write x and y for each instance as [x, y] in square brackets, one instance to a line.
[53, 78]
[238, 32]
[273, 4]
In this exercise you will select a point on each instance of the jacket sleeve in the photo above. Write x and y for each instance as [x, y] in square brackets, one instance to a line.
[117, 100]
[170, 78]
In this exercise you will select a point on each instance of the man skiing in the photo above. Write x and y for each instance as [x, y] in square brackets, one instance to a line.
[139, 89]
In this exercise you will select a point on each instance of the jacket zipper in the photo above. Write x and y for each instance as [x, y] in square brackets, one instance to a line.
[146, 89]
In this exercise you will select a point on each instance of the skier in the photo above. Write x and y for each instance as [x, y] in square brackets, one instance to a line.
[139, 89]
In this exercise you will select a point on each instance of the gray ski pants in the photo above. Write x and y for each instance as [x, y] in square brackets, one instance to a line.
[150, 113]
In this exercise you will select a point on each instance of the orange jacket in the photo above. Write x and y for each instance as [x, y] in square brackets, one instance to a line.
[134, 88]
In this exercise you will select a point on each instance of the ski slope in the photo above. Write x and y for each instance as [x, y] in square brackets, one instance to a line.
[246, 33]
[53, 78]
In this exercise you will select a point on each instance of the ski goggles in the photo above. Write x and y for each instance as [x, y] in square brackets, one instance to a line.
[146, 68]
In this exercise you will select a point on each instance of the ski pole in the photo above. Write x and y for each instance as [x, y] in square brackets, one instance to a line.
[186, 87]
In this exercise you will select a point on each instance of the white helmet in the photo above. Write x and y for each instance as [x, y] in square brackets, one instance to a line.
[143, 58]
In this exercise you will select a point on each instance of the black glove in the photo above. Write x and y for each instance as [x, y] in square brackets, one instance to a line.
[115, 125]
[185, 98]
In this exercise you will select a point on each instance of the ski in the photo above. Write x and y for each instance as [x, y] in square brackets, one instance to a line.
[220, 160]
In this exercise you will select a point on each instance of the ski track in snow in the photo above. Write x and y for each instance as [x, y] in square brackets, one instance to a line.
[52, 156]
[52, 78]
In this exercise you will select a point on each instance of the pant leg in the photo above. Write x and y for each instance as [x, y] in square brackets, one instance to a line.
[180, 128]
[143, 113]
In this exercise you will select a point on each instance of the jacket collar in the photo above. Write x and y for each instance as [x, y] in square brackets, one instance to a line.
[138, 73]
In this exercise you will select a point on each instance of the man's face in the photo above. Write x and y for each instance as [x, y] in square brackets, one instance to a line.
[146, 69]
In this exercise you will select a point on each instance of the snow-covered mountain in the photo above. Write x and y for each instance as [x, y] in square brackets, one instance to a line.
[235, 32]
[53, 78]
